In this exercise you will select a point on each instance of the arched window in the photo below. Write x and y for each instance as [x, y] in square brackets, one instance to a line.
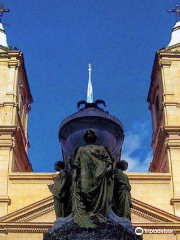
[157, 108]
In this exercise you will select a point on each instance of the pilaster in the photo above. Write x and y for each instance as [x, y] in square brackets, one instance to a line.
[13, 104]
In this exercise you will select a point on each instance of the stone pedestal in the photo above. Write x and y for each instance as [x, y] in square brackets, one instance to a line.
[110, 230]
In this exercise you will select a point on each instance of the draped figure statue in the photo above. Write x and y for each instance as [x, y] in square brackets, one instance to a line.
[61, 191]
[122, 188]
[92, 182]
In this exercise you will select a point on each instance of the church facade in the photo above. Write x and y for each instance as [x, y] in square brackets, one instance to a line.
[26, 205]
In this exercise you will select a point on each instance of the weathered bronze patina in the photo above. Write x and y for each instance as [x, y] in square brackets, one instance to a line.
[108, 128]
[91, 142]
[122, 188]
[61, 191]
[92, 182]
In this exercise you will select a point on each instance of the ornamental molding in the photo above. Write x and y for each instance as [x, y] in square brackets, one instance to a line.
[4, 104]
[7, 129]
[155, 177]
[36, 214]
[13, 63]
[49, 176]
[170, 50]
[5, 199]
[15, 227]
[175, 200]
[145, 215]
[30, 212]
[165, 63]
[43, 227]
[17, 222]
[31, 176]
[154, 212]
[172, 129]
[46, 205]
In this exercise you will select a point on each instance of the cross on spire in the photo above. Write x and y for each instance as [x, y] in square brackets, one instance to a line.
[2, 10]
[177, 11]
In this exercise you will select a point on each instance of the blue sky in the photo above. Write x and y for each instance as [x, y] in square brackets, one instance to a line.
[60, 37]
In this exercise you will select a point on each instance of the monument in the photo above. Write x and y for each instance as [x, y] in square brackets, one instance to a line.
[99, 191]
[27, 205]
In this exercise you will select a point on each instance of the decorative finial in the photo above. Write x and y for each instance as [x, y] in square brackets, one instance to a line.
[2, 10]
[90, 89]
[177, 11]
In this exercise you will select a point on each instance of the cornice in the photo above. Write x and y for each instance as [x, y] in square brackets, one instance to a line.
[14, 227]
[39, 213]
[145, 215]
[149, 176]
[4, 104]
[175, 200]
[170, 53]
[31, 176]
[6, 129]
[5, 199]
[154, 212]
[30, 212]
[50, 176]
[37, 227]
[11, 57]
[172, 129]
[46, 205]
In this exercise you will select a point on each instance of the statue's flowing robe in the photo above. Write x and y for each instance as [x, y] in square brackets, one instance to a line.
[93, 188]
[122, 196]
[61, 194]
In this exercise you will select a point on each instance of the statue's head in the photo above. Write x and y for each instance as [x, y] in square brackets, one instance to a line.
[59, 165]
[123, 165]
[90, 136]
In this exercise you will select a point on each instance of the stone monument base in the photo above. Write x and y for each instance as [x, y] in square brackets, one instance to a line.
[110, 230]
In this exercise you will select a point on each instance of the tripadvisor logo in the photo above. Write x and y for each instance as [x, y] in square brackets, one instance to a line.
[139, 231]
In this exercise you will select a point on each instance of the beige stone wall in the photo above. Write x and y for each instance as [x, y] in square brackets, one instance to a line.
[3, 236]
[159, 237]
[27, 191]
[24, 236]
[28, 188]
[4, 73]
[171, 80]
[152, 191]
[167, 65]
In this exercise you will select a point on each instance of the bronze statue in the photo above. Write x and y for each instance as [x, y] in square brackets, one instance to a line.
[92, 182]
[61, 191]
[122, 188]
